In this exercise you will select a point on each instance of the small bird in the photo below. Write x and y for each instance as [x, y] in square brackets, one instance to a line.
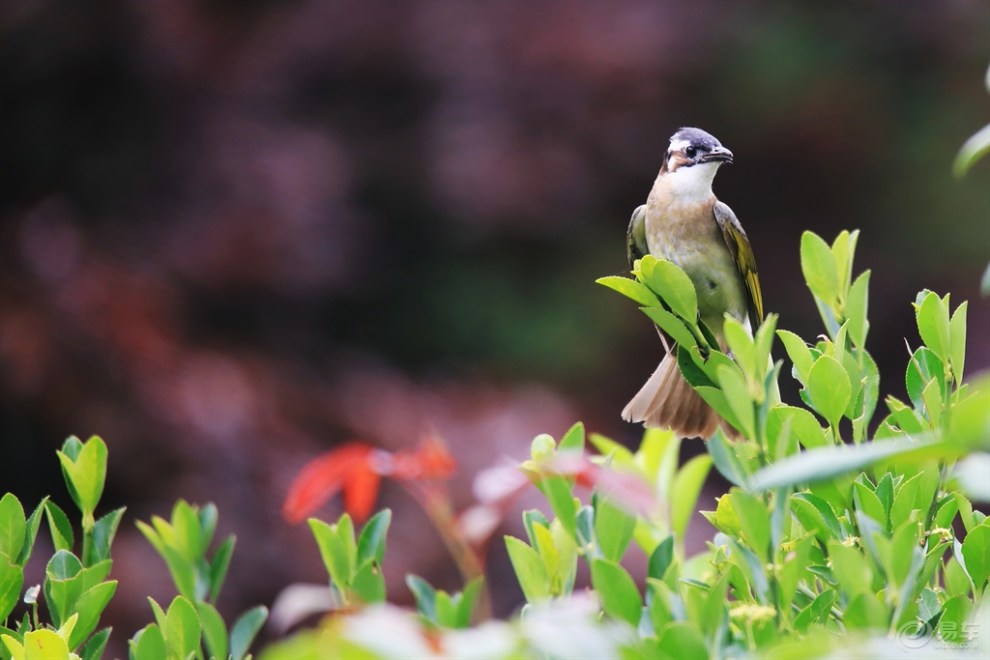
[683, 222]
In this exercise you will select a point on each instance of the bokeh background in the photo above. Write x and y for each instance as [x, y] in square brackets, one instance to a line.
[236, 233]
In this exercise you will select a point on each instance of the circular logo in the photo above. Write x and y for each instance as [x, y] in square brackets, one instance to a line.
[912, 636]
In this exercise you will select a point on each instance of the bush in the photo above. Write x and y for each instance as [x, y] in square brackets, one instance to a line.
[827, 541]
[820, 545]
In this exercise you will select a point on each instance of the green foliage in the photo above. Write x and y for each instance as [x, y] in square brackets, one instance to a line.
[354, 565]
[192, 622]
[76, 587]
[817, 546]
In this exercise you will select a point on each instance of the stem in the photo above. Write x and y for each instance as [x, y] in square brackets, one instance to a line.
[436, 502]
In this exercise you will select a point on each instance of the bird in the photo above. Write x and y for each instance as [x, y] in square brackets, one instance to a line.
[684, 223]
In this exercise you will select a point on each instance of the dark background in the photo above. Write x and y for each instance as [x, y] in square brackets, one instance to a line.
[236, 233]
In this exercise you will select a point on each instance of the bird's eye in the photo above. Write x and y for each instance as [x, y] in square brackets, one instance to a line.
[691, 152]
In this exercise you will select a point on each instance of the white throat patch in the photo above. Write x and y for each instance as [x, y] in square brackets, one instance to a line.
[694, 183]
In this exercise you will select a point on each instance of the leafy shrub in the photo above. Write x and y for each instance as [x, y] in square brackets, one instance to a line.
[76, 589]
[826, 540]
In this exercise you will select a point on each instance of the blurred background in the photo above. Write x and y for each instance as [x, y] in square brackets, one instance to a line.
[234, 234]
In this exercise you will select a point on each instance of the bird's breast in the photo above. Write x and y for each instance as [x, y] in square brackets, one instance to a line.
[689, 236]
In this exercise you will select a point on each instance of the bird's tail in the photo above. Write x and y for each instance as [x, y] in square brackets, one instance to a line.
[668, 401]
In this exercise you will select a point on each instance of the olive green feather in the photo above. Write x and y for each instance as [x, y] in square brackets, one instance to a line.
[636, 247]
[742, 253]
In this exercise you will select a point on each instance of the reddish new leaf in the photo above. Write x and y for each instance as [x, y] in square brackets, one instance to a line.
[324, 476]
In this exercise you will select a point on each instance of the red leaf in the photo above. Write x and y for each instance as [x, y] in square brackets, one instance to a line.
[361, 490]
[431, 460]
[321, 478]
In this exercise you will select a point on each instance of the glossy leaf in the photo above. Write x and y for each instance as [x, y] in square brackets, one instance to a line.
[933, 324]
[829, 388]
[618, 593]
[686, 487]
[630, 289]
[529, 569]
[245, 629]
[673, 285]
[819, 267]
[976, 552]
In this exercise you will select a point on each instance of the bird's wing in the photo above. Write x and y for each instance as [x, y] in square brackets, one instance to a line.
[636, 247]
[738, 244]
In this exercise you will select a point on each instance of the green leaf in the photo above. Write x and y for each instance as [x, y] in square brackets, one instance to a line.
[529, 569]
[245, 629]
[188, 539]
[182, 627]
[558, 492]
[825, 463]
[611, 450]
[742, 347]
[369, 583]
[617, 591]
[93, 650]
[31, 532]
[804, 426]
[148, 644]
[799, 353]
[905, 552]
[673, 285]
[754, 522]
[952, 628]
[792, 570]
[214, 629]
[573, 440]
[661, 558]
[61, 528]
[923, 367]
[13, 527]
[933, 324]
[843, 249]
[687, 486]
[734, 388]
[11, 582]
[905, 498]
[851, 569]
[956, 581]
[819, 268]
[219, 565]
[44, 645]
[371, 543]
[957, 341]
[182, 570]
[613, 528]
[159, 613]
[976, 553]
[856, 309]
[867, 502]
[671, 325]
[829, 388]
[86, 474]
[726, 461]
[90, 606]
[468, 599]
[816, 515]
[630, 289]
[101, 538]
[816, 612]
[337, 557]
[865, 611]
[681, 640]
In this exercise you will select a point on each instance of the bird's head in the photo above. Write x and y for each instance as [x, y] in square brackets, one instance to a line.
[692, 159]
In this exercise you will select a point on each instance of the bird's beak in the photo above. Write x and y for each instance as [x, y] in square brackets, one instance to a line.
[717, 154]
